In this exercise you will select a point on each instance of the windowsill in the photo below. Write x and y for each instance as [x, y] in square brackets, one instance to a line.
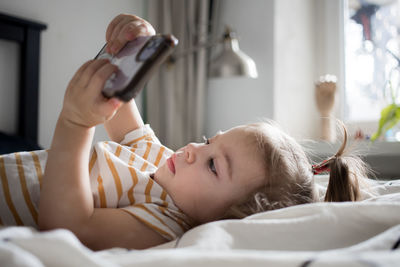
[363, 147]
[383, 157]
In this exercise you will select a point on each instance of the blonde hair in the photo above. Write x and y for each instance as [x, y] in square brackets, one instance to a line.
[289, 174]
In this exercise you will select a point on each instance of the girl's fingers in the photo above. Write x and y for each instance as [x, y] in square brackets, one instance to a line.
[115, 33]
[149, 28]
[99, 78]
[131, 31]
[127, 29]
[119, 40]
[112, 25]
[90, 71]
[79, 72]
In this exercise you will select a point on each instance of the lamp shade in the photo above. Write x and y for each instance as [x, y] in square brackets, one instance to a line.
[232, 61]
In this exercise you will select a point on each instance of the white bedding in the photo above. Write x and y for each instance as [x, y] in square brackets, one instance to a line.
[364, 233]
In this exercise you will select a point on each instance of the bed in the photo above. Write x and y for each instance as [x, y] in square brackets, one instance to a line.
[365, 233]
[26, 34]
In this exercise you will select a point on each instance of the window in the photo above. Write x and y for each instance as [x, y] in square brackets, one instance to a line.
[372, 52]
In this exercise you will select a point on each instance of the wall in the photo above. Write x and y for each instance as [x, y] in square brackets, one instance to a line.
[287, 41]
[286, 38]
[75, 33]
[294, 64]
[235, 101]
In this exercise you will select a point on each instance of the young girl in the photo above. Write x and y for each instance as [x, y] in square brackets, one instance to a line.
[137, 193]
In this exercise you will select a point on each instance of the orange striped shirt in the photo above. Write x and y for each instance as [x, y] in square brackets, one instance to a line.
[119, 178]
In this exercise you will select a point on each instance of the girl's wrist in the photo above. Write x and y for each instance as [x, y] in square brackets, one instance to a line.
[66, 121]
[69, 133]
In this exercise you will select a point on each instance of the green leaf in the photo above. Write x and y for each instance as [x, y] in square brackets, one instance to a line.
[390, 116]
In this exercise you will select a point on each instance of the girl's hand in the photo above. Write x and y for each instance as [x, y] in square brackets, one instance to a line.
[84, 105]
[124, 28]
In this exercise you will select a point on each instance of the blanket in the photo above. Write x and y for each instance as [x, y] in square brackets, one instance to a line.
[365, 233]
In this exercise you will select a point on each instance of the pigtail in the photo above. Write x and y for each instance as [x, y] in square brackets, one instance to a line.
[346, 174]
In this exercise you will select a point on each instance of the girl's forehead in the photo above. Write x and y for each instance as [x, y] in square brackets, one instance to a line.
[240, 143]
[242, 134]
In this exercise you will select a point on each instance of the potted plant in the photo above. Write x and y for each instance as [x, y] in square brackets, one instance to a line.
[390, 115]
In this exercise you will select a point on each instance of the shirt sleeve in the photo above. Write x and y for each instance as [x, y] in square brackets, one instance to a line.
[146, 146]
[140, 134]
[168, 222]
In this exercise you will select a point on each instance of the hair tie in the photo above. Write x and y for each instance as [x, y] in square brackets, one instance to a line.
[321, 167]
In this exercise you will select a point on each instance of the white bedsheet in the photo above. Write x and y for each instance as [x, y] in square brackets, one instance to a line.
[365, 233]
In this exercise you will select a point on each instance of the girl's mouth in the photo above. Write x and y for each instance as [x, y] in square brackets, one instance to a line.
[171, 163]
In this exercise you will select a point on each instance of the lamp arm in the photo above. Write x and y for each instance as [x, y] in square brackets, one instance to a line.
[197, 47]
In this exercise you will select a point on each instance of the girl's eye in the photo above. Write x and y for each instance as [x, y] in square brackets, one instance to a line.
[212, 166]
[211, 161]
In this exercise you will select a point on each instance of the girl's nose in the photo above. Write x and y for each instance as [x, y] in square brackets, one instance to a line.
[190, 153]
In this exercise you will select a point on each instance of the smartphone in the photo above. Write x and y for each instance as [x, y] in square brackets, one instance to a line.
[136, 62]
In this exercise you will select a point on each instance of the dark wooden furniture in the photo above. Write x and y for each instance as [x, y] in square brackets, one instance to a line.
[27, 34]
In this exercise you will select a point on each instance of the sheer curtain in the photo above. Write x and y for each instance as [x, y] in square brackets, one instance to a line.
[176, 95]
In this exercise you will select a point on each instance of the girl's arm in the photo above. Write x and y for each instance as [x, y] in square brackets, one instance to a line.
[126, 119]
[66, 199]
[122, 29]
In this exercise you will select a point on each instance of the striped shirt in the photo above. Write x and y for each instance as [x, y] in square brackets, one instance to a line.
[119, 178]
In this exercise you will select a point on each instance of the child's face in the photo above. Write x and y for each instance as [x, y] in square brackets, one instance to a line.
[205, 179]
